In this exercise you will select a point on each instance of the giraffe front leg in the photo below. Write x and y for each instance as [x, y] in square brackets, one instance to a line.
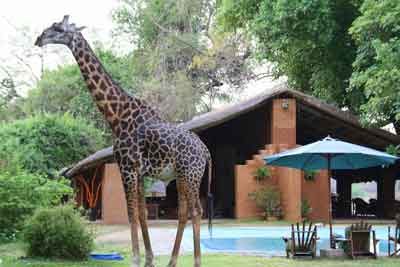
[130, 182]
[143, 226]
[182, 220]
[133, 216]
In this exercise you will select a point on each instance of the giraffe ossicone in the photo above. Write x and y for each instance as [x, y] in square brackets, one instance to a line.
[144, 145]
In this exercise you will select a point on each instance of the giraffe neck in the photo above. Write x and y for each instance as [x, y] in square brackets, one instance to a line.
[115, 104]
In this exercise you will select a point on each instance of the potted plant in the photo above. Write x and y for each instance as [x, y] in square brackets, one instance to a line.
[393, 150]
[269, 200]
[305, 208]
[310, 175]
[262, 173]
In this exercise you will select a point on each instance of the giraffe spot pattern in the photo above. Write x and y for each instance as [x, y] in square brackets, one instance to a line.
[144, 145]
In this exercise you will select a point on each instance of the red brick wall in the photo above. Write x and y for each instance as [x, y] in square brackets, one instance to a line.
[317, 194]
[287, 181]
[290, 181]
[114, 210]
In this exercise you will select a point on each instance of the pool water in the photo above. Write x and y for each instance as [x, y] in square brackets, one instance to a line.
[266, 240]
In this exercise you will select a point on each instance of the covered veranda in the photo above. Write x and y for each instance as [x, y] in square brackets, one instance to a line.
[383, 205]
[315, 124]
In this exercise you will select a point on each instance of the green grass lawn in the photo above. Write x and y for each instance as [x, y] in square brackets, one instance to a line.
[11, 254]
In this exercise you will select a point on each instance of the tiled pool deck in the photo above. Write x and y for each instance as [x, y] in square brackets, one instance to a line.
[255, 240]
[264, 240]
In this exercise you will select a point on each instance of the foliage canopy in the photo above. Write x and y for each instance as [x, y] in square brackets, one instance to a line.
[47, 143]
[346, 52]
[182, 64]
[21, 193]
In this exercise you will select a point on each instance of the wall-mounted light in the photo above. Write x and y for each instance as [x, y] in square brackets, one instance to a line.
[285, 104]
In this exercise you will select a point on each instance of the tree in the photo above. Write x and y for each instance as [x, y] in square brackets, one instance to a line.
[181, 64]
[9, 99]
[307, 41]
[64, 90]
[346, 52]
[377, 65]
[47, 143]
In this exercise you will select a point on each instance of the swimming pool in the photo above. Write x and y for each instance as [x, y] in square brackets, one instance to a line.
[264, 240]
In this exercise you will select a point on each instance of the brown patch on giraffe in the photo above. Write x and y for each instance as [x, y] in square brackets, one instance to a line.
[99, 96]
[102, 85]
[87, 58]
[123, 98]
[108, 81]
[80, 53]
[108, 112]
[114, 107]
[125, 114]
[91, 67]
[117, 131]
[111, 97]
[99, 69]
[91, 86]
[96, 78]
[126, 105]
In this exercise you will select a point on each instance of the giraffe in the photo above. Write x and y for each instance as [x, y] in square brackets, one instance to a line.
[144, 145]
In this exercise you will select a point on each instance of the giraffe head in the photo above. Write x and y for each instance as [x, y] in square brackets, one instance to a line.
[58, 33]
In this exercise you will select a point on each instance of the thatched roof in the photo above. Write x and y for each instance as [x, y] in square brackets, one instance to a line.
[214, 118]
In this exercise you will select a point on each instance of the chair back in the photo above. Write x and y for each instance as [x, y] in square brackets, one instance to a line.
[360, 234]
[303, 236]
[360, 207]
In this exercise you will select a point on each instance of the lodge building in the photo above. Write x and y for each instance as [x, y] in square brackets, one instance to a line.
[238, 138]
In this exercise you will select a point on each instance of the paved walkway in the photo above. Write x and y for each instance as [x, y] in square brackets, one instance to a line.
[162, 239]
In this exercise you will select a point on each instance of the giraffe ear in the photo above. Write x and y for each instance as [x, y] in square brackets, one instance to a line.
[80, 28]
[64, 22]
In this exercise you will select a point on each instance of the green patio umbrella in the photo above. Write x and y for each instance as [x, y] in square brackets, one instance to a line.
[330, 154]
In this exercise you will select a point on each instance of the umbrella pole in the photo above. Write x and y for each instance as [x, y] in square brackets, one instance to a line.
[330, 203]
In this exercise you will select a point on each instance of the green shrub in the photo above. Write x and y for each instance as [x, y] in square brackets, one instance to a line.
[268, 199]
[305, 208]
[21, 193]
[58, 232]
[393, 150]
[262, 173]
[47, 143]
[310, 175]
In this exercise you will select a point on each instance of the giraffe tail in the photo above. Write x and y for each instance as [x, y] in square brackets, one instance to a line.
[210, 198]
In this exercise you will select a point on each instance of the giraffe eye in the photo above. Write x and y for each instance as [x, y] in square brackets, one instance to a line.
[57, 29]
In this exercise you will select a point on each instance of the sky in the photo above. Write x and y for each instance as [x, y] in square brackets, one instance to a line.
[40, 14]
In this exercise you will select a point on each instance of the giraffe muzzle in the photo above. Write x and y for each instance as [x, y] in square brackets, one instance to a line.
[38, 41]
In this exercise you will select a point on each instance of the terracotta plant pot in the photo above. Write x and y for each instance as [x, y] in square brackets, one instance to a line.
[271, 218]
[92, 214]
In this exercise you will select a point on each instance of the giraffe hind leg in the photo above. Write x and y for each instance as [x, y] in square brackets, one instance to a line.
[196, 213]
